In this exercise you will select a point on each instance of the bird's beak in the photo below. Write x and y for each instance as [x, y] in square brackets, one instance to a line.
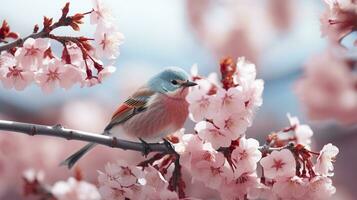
[188, 84]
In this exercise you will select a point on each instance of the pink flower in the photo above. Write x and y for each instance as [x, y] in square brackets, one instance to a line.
[107, 71]
[328, 93]
[235, 124]
[303, 132]
[119, 174]
[155, 186]
[200, 101]
[289, 188]
[324, 163]
[279, 164]
[246, 156]
[261, 192]
[252, 95]
[339, 20]
[230, 100]
[118, 181]
[238, 188]
[7, 60]
[320, 188]
[16, 77]
[115, 193]
[56, 73]
[30, 56]
[75, 190]
[212, 172]
[213, 134]
[192, 149]
[246, 71]
[75, 54]
[108, 40]
[101, 13]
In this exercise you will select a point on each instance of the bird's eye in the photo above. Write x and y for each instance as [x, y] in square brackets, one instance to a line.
[174, 82]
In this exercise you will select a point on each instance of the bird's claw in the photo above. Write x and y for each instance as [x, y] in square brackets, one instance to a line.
[147, 148]
[169, 146]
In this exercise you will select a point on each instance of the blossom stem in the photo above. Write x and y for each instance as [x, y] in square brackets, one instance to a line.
[44, 33]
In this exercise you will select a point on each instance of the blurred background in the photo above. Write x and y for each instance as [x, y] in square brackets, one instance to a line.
[279, 36]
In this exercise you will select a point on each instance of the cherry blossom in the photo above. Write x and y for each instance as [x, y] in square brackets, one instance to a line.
[211, 133]
[235, 124]
[108, 40]
[339, 20]
[279, 164]
[57, 74]
[155, 186]
[30, 56]
[191, 148]
[75, 54]
[121, 174]
[212, 171]
[75, 190]
[33, 61]
[303, 132]
[320, 188]
[246, 71]
[101, 13]
[239, 187]
[290, 188]
[13, 76]
[246, 156]
[229, 100]
[328, 94]
[200, 101]
[16, 77]
[252, 95]
[324, 164]
[261, 192]
[121, 181]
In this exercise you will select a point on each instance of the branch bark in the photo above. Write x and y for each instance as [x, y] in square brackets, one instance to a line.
[70, 134]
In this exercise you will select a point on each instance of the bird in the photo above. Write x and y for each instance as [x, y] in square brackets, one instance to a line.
[153, 111]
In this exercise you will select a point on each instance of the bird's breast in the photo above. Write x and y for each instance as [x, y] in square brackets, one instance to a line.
[164, 115]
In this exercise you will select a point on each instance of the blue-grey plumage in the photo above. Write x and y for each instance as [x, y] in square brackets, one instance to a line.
[155, 110]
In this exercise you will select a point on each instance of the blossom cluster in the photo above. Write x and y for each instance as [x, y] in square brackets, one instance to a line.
[328, 87]
[219, 156]
[122, 181]
[34, 61]
[339, 19]
[224, 112]
[72, 189]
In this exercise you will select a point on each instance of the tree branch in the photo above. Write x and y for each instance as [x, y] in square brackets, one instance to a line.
[64, 20]
[43, 33]
[69, 134]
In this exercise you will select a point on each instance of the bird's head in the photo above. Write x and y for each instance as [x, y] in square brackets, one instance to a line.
[170, 81]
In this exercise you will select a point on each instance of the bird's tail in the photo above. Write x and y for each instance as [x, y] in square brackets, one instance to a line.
[71, 160]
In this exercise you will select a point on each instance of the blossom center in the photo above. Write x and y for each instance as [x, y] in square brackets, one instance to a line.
[215, 170]
[278, 164]
[32, 51]
[53, 75]
[14, 72]
[204, 102]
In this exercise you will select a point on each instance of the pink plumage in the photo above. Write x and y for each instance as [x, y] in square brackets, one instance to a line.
[154, 111]
[165, 115]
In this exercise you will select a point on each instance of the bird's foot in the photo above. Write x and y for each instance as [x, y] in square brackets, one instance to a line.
[147, 149]
[169, 146]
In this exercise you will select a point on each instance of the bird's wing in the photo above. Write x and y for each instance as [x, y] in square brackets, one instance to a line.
[133, 105]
